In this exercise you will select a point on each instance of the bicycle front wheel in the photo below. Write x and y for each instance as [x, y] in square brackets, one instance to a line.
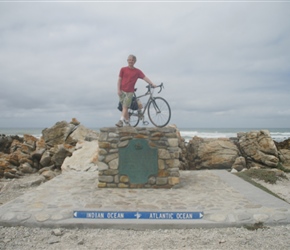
[159, 112]
[134, 118]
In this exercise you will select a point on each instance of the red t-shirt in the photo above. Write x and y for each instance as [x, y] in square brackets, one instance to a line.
[129, 78]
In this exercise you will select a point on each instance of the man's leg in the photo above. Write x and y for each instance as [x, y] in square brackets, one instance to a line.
[125, 113]
[126, 100]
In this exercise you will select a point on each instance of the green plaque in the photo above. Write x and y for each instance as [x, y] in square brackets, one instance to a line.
[138, 161]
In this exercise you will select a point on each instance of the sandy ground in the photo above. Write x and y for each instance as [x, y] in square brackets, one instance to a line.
[281, 188]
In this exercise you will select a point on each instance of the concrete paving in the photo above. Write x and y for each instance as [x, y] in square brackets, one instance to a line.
[209, 198]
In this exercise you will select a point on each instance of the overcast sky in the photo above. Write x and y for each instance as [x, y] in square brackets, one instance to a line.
[224, 64]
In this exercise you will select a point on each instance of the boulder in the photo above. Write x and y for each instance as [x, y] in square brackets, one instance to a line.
[283, 144]
[40, 148]
[82, 133]
[45, 159]
[30, 142]
[84, 158]
[239, 164]
[15, 145]
[37, 154]
[258, 148]
[6, 141]
[285, 158]
[61, 152]
[218, 153]
[26, 168]
[58, 134]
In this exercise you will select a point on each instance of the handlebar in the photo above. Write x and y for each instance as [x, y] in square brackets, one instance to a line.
[158, 86]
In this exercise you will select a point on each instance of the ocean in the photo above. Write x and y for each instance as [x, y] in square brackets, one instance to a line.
[277, 134]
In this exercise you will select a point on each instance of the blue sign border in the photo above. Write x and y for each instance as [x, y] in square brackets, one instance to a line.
[137, 215]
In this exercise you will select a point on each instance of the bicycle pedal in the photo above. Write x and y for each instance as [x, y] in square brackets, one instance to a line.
[145, 123]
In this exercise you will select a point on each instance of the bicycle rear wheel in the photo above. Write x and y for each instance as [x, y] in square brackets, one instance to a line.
[159, 112]
[133, 117]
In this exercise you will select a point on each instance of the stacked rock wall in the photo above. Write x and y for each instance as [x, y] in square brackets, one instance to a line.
[114, 140]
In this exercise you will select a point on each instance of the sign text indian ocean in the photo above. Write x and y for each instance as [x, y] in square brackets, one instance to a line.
[138, 215]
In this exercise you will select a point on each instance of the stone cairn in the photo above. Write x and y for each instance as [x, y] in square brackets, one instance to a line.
[113, 140]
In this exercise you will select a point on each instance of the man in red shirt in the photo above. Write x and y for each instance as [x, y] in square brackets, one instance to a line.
[126, 83]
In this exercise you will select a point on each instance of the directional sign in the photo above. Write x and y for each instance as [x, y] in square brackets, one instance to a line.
[137, 215]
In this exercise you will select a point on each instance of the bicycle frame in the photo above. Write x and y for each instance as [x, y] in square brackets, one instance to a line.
[152, 102]
[148, 101]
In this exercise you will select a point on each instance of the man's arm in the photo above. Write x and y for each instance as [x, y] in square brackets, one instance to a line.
[119, 86]
[146, 79]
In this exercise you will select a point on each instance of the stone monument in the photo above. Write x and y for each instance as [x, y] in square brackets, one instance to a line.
[138, 157]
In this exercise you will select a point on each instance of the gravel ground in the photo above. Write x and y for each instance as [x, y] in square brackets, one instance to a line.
[215, 238]
[225, 238]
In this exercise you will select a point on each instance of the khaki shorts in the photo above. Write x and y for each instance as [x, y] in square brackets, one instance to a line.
[126, 99]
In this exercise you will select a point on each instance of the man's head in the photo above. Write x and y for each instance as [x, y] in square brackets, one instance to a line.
[131, 60]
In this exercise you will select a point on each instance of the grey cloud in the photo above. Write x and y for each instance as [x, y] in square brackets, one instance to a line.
[222, 64]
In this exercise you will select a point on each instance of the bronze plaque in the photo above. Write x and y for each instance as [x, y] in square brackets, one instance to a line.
[138, 161]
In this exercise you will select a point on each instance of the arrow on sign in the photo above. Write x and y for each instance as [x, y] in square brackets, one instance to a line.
[138, 215]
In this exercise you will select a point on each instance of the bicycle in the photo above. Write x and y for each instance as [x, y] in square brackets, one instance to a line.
[158, 109]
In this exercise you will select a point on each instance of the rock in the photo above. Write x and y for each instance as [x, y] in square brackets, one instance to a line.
[49, 174]
[32, 180]
[58, 134]
[283, 145]
[258, 147]
[75, 122]
[37, 154]
[239, 164]
[45, 159]
[211, 153]
[28, 154]
[26, 168]
[46, 169]
[81, 133]
[285, 158]
[30, 141]
[13, 159]
[11, 175]
[85, 158]
[57, 232]
[233, 171]
[15, 145]
[61, 152]
[6, 141]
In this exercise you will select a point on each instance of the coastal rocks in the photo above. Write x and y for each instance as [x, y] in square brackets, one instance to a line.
[211, 153]
[248, 150]
[258, 148]
[72, 147]
[46, 155]
[61, 140]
